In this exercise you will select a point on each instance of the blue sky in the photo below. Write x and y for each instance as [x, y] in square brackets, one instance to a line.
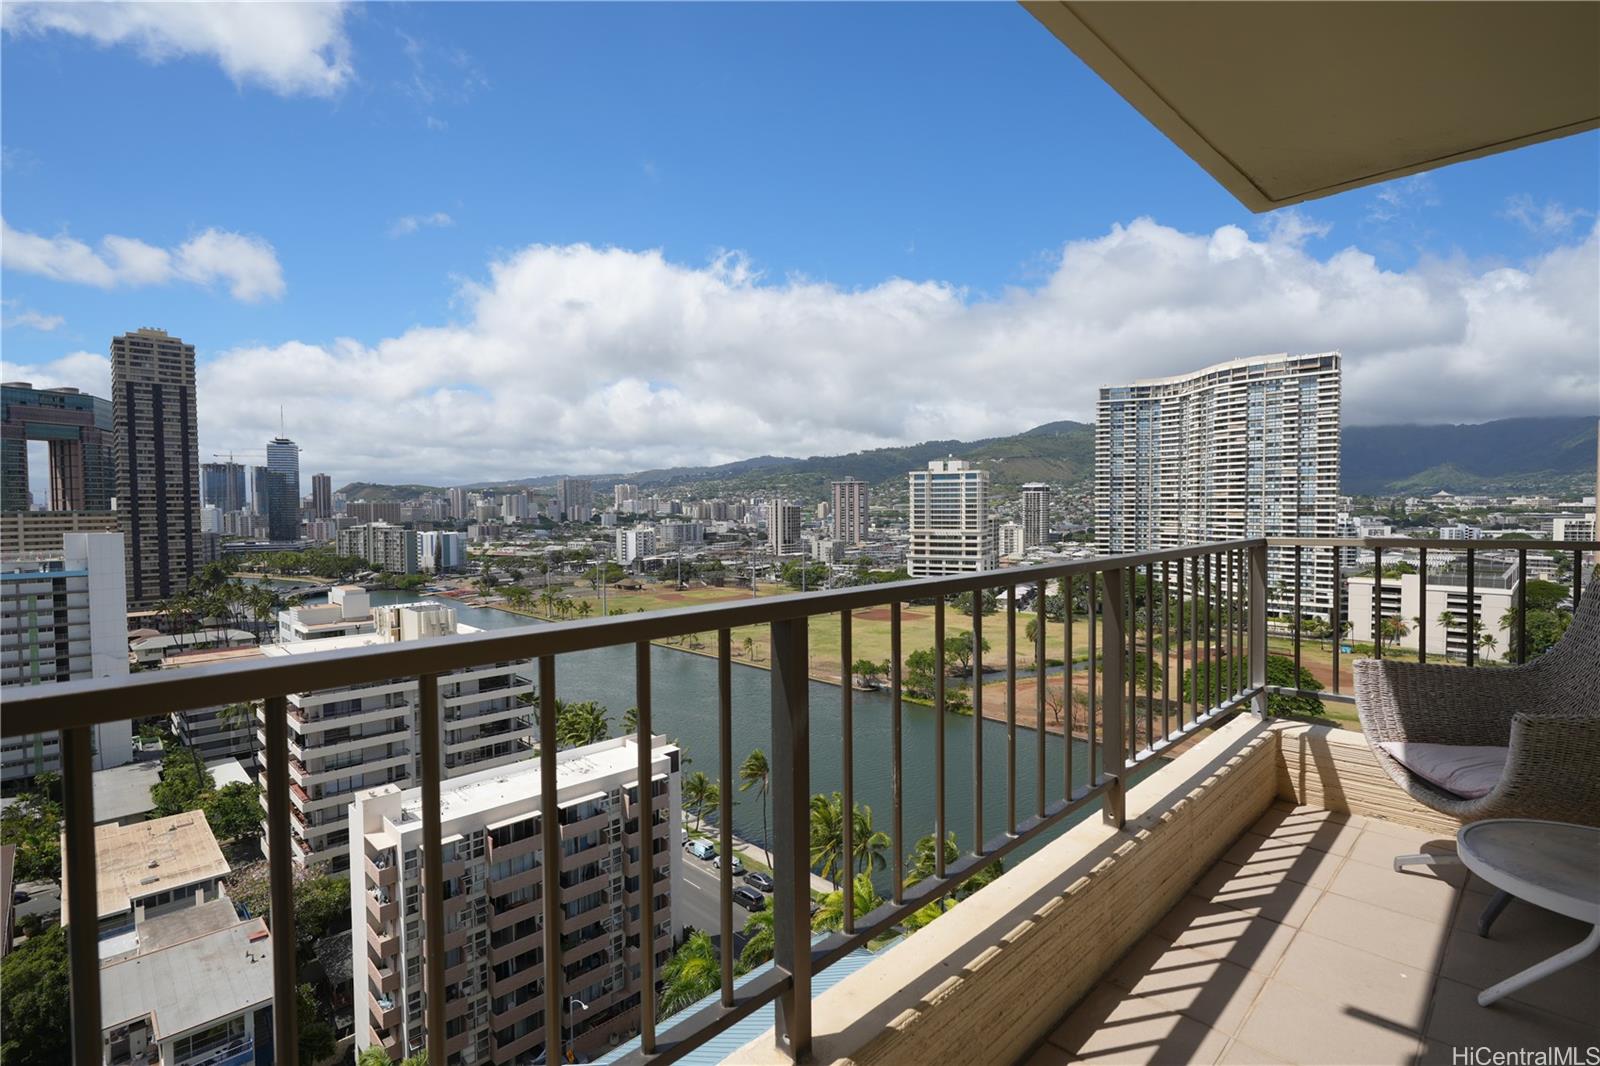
[380, 212]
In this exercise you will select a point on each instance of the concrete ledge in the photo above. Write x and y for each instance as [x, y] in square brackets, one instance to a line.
[1322, 766]
[989, 979]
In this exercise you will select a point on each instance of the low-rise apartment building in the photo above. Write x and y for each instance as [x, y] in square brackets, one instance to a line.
[344, 740]
[1444, 615]
[385, 546]
[184, 981]
[494, 834]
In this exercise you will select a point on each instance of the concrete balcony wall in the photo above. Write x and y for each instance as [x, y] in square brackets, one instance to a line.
[1321, 766]
[989, 979]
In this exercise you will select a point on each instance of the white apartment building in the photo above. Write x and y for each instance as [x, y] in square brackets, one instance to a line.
[851, 503]
[783, 528]
[1572, 528]
[634, 543]
[1035, 514]
[1247, 448]
[494, 837]
[358, 737]
[384, 546]
[1444, 615]
[948, 520]
[64, 617]
[1012, 541]
[680, 534]
[1461, 532]
[623, 492]
[441, 550]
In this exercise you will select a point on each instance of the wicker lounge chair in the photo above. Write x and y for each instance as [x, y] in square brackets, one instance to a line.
[1547, 712]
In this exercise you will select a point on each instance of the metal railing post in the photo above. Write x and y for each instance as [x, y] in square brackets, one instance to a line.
[82, 917]
[1256, 618]
[431, 766]
[1113, 750]
[791, 831]
[285, 1026]
[550, 858]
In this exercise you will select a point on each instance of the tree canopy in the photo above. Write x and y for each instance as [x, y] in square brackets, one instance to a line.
[34, 1002]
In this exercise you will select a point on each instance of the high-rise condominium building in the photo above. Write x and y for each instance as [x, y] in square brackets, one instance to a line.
[514, 507]
[1035, 513]
[1248, 448]
[577, 498]
[783, 528]
[260, 489]
[222, 486]
[497, 844]
[441, 550]
[850, 503]
[77, 429]
[321, 496]
[64, 618]
[1011, 540]
[948, 520]
[458, 503]
[386, 547]
[634, 543]
[283, 489]
[623, 492]
[358, 737]
[158, 462]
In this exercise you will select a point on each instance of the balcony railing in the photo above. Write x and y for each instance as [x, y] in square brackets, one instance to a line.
[1212, 612]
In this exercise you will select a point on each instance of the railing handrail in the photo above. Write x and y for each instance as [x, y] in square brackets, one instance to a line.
[1403, 543]
[97, 701]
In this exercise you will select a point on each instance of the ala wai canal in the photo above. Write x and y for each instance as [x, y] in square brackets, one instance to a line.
[684, 690]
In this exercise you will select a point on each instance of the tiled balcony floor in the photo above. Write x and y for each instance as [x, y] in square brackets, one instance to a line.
[1302, 945]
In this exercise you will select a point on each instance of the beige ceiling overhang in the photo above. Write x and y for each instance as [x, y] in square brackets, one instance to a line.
[1283, 102]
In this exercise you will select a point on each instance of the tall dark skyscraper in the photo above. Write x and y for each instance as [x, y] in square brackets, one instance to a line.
[222, 485]
[283, 489]
[321, 496]
[77, 429]
[158, 462]
[260, 489]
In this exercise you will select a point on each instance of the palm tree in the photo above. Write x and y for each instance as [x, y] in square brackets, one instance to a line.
[630, 721]
[701, 792]
[755, 773]
[827, 835]
[692, 974]
[749, 648]
[867, 845]
[585, 608]
[759, 939]
[1487, 642]
[831, 915]
[581, 723]
[922, 865]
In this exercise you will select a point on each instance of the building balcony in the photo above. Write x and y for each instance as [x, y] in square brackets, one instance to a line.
[385, 876]
[1169, 835]
[382, 906]
[384, 1011]
[383, 977]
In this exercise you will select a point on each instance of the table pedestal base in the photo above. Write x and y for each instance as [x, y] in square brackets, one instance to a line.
[1543, 969]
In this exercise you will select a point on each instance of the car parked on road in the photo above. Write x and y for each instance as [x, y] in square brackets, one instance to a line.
[757, 879]
[749, 898]
[700, 849]
[738, 865]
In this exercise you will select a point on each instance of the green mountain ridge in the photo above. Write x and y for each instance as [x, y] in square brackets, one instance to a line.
[1554, 455]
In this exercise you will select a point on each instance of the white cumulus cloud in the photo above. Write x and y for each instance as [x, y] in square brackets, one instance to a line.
[289, 48]
[247, 265]
[577, 358]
